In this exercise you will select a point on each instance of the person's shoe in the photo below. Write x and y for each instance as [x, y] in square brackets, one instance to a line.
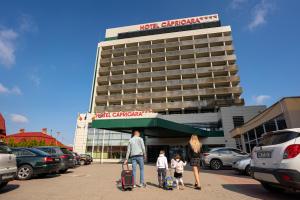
[142, 185]
[198, 188]
[195, 185]
[134, 186]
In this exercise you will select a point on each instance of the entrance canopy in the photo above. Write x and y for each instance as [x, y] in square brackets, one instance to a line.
[155, 127]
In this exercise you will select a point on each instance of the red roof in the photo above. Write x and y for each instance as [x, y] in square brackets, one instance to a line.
[2, 126]
[39, 136]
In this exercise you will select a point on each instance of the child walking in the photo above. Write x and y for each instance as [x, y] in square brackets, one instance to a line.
[178, 164]
[162, 168]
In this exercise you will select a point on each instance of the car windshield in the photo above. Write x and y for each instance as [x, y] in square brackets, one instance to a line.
[66, 151]
[274, 138]
[4, 149]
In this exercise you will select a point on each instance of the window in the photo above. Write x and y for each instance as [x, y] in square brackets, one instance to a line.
[238, 121]
[225, 151]
[238, 152]
[259, 131]
[270, 126]
[274, 138]
[4, 149]
[23, 152]
[251, 134]
[281, 122]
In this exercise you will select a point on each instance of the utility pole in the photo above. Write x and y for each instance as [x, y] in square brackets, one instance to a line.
[57, 135]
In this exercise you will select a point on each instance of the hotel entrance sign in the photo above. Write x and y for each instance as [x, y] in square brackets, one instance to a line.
[125, 115]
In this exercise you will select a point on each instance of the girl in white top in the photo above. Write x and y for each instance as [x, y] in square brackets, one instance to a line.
[178, 164]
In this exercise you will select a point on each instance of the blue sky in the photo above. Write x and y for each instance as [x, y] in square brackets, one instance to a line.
[47, 52]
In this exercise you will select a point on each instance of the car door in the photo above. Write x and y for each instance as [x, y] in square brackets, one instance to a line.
[7, 159]
[23, 156]
[226, 156]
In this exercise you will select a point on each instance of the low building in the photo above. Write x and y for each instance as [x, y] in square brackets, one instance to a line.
[40, 138]
[105, 135]
[2, 127]
[282, 115]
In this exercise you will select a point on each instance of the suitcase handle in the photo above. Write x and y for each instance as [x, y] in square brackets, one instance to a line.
[126, 165]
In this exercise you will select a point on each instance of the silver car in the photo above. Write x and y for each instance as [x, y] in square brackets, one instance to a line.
[243, 166]
[218, 157]
[8, 166]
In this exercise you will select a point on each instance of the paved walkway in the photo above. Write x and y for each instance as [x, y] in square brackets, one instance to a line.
[99, 182]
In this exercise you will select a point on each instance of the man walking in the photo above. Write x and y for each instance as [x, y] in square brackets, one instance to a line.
[136, 151]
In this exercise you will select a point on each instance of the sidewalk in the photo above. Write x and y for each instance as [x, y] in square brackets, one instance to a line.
[99, 182]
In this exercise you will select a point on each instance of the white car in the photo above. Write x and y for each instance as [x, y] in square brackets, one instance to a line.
[276, 161]
[242, 166]
[8, 166]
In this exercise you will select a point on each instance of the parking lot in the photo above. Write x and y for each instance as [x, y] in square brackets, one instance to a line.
[101, 182]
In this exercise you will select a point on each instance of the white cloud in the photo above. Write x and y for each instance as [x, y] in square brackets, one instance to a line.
[236, 4]
[259, 14]
[14, 90]
[261, 99]
[17, 118]
[8, 39]
[35, 79]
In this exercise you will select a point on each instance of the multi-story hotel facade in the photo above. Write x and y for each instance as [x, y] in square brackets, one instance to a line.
[180, 71]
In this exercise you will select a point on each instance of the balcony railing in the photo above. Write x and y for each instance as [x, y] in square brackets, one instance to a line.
[166, 45]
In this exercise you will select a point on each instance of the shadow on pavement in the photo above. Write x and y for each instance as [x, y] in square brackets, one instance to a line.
[8, 188]
[225, 172]
[119, 185]
[47, 176]
[256, 191]
[152, 184]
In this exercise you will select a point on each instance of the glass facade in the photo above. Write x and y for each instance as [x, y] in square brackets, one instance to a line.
[253, 136]
[106, 144]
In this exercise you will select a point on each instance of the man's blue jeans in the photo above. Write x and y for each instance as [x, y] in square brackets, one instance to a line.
[140, 161]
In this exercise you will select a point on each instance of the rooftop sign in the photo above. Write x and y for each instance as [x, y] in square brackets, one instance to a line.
[180, 22]
[113, 32]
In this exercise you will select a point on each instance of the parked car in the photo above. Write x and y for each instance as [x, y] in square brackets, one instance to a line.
[66, 157]
[243, 165]
[8, 165]
[216, 158]
[85, 159]
[31, 162]
[276, 161]
[76, 158]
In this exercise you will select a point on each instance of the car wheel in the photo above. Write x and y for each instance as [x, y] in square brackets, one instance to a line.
[25, 172]
[248, 170]
[215, 164]
[82, 162]
[3, 184]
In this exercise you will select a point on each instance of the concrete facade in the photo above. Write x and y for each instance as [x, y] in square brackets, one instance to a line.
[281, 115]
[177, 72]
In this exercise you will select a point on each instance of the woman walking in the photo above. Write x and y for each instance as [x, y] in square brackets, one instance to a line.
[194, 149]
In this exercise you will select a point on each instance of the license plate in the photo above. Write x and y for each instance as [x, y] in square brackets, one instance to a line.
[56, 159]
[264, 154]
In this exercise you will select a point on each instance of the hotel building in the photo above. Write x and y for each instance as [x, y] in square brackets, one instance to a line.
[179, 73]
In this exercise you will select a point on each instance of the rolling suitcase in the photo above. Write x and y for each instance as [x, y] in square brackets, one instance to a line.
[127, 180]
[169, 183]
